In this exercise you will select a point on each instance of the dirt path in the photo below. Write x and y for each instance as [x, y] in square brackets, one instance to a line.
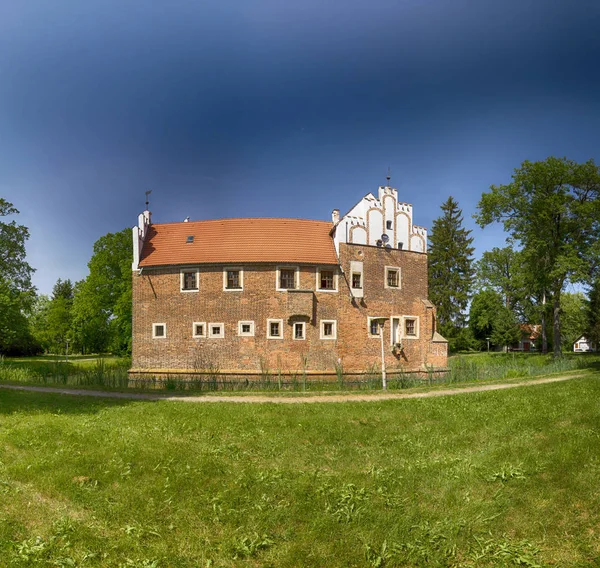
[299, 398]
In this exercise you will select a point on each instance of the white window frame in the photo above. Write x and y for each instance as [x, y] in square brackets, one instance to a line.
[369, 320]
[417, 327]
[385, 281]
[211, 335]
[194, 334]
[232, 269]
[182, 272]
[246, 334]
[303, 324]
[154, 326]
[335, 279]
[269, 322]
[322, 329]
[296, 270]
[357, 267]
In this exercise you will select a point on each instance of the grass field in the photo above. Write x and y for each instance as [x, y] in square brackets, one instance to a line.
[111, 373]
[506, 478]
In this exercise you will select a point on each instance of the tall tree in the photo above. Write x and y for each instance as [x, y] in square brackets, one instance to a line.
[592, 330]
[490, 319]
[59, 315]
[573, 322]
[500, 269]
[13, 267]
[102, 307]
[16, 291]
[450, 268]
[551, 209]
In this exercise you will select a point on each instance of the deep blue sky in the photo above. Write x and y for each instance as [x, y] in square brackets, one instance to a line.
[279, 108]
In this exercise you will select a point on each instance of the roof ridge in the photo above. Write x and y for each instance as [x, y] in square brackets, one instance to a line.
[245, 219]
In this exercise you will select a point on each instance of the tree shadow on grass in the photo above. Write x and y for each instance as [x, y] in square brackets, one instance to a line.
[31, 403]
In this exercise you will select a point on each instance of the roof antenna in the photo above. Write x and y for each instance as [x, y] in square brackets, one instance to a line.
[147, 201]
[388, 177]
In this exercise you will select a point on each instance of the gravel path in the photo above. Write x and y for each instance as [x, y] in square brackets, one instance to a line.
[297, 399]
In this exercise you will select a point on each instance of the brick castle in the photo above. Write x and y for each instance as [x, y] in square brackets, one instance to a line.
[242, 296]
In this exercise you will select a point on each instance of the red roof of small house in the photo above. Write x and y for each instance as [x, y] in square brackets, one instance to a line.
[530, 331]
[239, 241]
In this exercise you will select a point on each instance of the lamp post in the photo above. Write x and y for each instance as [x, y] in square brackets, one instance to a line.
[488, 340]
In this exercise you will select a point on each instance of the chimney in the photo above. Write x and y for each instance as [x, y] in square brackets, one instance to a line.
[335, 216]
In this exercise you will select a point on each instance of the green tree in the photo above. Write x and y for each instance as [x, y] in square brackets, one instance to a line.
[13, 266]
[102, 307]
[59, 316]
[592, 329]
[16, 291]
[506, 329]
[38, 321]
[490, 318]
[482, 313]
[450, 268]
[574, 318]
[551, 209]
[501, 269]
[15, 335]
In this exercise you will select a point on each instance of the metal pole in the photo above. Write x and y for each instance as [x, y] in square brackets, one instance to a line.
[383, 375]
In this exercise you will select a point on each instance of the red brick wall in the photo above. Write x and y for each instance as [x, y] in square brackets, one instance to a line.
[358, 350]
[157, 299]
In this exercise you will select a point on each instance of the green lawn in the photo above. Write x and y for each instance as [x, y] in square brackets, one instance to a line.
[488, 479]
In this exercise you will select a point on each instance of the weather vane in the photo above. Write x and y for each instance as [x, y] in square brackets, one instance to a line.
[388, 177]
[148, 202]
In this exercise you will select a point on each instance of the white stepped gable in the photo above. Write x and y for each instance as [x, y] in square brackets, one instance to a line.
[373, 217]
[139, 236]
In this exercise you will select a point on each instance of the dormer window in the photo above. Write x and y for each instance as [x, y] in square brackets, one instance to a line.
[189, 239]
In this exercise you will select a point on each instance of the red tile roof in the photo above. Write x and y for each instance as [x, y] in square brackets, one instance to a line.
[239, 241]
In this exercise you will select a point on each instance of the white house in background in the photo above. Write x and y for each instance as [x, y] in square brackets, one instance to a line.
[582, 345]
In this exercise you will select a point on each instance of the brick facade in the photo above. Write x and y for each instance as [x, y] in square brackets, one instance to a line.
[158, 299]
[379, 264]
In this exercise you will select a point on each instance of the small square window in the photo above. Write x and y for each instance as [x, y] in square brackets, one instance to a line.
[374, 327]
[246, 328]
[159, 330]
[392, 277]
[189, 280]
[233, 279]
[389, 225]
[400, 246]
[299, 330]
[357, 280]
[287, 278]
[275, 329]
[328, 329]
[326, 280]
[198, 329]
[216, 330]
